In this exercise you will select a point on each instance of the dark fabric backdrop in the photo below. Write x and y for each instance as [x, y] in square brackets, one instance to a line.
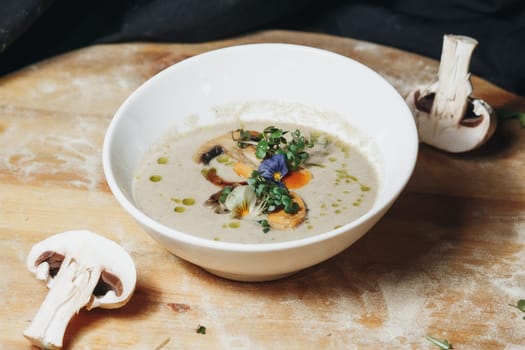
[31, 30]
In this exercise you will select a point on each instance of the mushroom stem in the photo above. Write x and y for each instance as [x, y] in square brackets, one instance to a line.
[454, 85]
[447, 117]
[71, 289]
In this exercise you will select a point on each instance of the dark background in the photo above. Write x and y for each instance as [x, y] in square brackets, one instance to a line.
[31, 30]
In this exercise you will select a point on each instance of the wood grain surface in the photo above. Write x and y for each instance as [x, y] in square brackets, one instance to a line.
[446, 260]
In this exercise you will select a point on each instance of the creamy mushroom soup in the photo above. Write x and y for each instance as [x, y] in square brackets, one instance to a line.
[253, 183]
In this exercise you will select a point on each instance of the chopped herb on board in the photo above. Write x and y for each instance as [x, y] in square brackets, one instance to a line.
[161, 345]
[520, 305]
[201, 329]
[441, 343]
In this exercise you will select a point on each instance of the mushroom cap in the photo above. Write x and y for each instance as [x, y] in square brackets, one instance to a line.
[92, 251]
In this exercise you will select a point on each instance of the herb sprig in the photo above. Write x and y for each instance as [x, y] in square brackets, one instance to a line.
[441, 343]
[520, 305]
[274, 141]
[265, 225]
[281, 152]
[272, 193]
[201, 329]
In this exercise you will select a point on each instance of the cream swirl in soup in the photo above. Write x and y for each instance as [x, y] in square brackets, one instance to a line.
[254, 183]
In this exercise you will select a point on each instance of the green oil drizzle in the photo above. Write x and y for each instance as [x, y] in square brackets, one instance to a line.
[179, 209]
[155, 178]
[185, 201]
[234, 224]
[222, 158]
[188, 201]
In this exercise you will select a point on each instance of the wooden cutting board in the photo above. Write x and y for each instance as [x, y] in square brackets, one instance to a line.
[447, 260]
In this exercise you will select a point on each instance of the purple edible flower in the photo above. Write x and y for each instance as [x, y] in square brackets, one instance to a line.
[274, 168]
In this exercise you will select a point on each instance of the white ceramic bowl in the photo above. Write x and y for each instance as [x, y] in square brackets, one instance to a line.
[187, 94]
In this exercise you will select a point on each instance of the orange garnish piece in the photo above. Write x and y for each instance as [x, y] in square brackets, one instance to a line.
[243, 170]
[280, 220]
[297, 179]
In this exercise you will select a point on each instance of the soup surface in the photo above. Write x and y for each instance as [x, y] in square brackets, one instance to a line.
[185, 179]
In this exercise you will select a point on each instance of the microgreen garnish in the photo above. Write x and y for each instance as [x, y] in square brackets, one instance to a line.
[201, 329]
[520, 305]
[245, 138]
[224, 193]
[273, 194]
[441, 343]
[279, 155]
[273, 141]
[265, 225]
[296, 153]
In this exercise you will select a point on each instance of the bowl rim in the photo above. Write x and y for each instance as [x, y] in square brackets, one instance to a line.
[201, 242]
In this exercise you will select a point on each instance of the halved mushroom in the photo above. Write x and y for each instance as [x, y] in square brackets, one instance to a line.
[82, 269]
[280, 220]
[447, 117]
[227, 144]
